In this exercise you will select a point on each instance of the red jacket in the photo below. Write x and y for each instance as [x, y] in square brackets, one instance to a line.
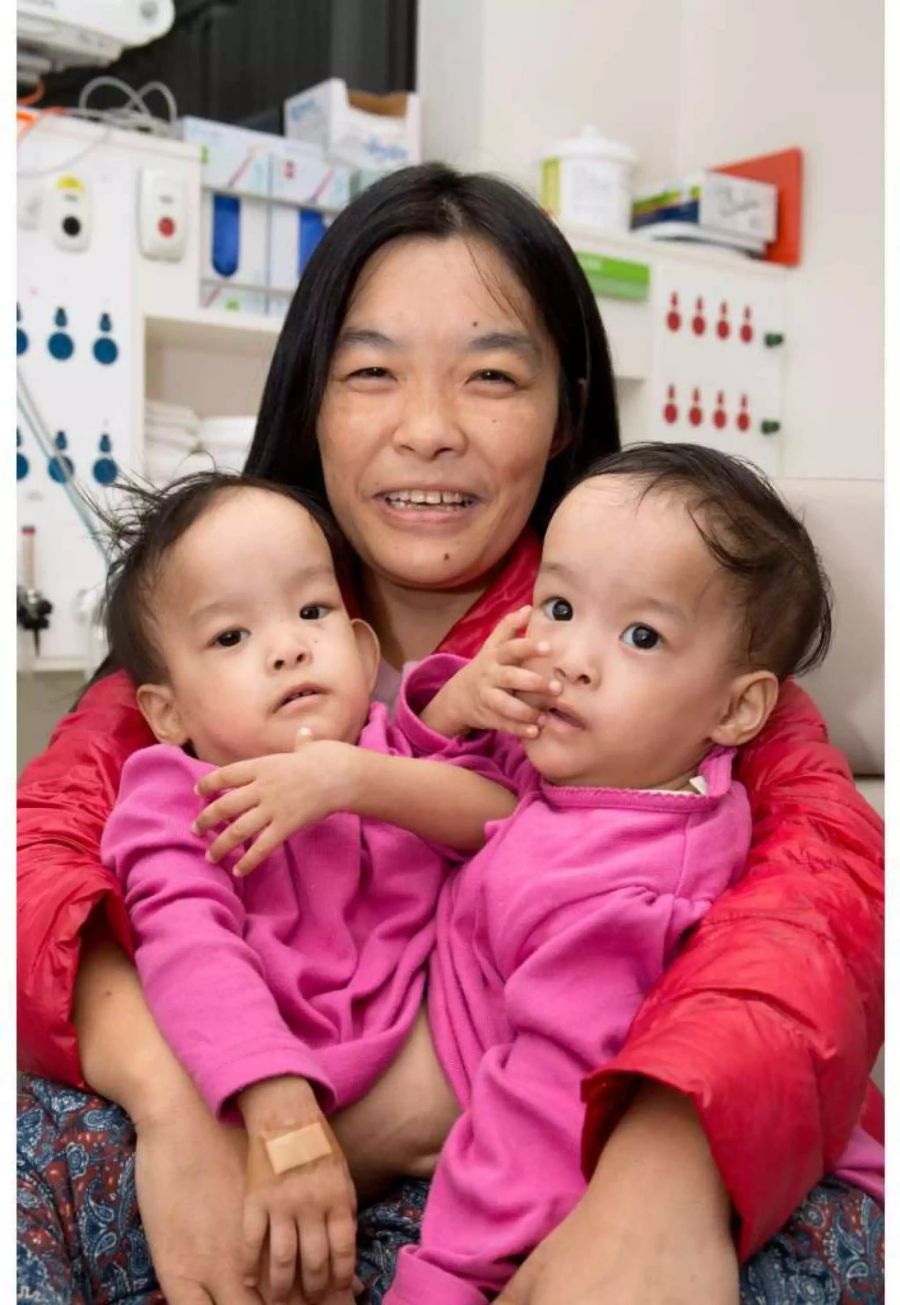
[770, 1018]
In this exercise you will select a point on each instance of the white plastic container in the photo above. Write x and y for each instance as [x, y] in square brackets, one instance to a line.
[586, 181]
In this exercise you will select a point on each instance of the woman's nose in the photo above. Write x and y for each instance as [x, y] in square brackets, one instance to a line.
[429, 427]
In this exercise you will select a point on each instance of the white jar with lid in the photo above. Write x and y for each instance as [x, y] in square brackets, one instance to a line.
[586, 182]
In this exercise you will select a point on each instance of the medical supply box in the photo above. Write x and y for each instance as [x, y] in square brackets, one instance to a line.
[378, 132]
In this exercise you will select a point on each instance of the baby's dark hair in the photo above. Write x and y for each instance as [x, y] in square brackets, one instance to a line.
[781, 587]
[140, 533]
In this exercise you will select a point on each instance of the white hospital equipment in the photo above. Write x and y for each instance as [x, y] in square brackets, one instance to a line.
[62, 33]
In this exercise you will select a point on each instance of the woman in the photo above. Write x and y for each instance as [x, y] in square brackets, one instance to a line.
[443, 341]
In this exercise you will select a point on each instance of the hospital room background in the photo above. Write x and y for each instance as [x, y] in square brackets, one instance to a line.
[717, 168]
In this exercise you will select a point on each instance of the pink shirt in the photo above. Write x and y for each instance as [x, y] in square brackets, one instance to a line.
[547, 942]
[312, 965]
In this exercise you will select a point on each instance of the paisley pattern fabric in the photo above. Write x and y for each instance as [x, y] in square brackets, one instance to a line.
[80, 1239]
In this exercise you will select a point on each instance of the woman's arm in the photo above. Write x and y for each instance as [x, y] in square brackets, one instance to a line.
[654, 1223]
[64, 798]
[770, 1019]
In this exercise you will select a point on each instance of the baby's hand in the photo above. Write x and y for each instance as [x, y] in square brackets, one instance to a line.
[273, 797]
[483, 695]
[308, 1216]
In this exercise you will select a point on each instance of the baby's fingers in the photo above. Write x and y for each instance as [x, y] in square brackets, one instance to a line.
[264, 846]
[315, 1257]
[234, 803]
[282, 1256]
[237, 833]
[505, 630]
[509, 710]
[240, 772]
[512, 652]
[256, 1222]
[342, 1240]
[515, 679]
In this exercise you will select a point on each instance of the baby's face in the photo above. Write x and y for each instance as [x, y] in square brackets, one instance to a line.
[642, 633]
[253, 631]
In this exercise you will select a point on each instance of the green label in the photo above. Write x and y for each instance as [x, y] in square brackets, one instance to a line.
[550, 186]
[615, 278]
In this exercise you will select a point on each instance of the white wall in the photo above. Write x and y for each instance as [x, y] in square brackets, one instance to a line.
[503, 79]
[759, 75]
[694, 82]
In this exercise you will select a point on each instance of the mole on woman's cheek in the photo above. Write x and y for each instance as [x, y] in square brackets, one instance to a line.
[446, 557]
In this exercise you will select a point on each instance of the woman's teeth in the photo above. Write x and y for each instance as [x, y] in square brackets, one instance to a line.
[430, 498]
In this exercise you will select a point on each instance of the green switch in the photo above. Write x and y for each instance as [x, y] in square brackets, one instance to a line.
[770, 427]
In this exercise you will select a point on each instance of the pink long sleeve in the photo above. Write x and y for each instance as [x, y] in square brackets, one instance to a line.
[510, 1169]
[205, 984]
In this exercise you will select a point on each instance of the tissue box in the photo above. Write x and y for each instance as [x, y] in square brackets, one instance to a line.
[353, 127]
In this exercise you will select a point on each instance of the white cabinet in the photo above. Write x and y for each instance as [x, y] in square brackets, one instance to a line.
[700, 358]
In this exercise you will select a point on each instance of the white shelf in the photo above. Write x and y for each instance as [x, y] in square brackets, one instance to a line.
[215, 330]
[641, 249]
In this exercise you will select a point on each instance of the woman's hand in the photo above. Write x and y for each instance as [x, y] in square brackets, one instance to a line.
[652, 1227]
[306, 1216]
[190, 1186]
[273, 797]
[484, 694]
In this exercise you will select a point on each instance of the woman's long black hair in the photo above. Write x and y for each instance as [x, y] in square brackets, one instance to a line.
[434, 200]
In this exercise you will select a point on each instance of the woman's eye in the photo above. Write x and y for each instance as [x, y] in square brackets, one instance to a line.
[641, 636]
[557, 609]
[493, 376]
[229, 638]
[314, 612]
[369, 374]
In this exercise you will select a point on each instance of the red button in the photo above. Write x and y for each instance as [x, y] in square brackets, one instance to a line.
[166, 226]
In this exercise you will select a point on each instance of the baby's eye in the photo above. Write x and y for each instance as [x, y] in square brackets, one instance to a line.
[314, 612]
[641, 636]
[557, 609]
[229, 638]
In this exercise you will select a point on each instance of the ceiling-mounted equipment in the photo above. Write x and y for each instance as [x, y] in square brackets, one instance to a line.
[55, 34]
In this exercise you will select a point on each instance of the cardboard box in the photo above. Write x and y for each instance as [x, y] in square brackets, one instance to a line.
[353, 127]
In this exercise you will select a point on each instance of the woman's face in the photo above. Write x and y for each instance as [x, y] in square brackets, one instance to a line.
[439, 412]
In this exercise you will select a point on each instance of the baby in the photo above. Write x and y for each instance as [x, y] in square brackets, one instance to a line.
[286, 995]
[675, 594]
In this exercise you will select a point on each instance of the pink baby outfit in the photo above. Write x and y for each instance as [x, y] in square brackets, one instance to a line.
[312, 965]
[548, 940]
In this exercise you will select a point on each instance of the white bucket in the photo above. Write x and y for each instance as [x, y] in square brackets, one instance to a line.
[586, 182]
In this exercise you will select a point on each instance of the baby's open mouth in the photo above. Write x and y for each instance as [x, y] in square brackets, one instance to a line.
[295, 695]
[441, 500]
[567, 717]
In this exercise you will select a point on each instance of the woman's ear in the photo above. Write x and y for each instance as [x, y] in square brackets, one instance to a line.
[157, 702]
[368, 647]
[752, 698]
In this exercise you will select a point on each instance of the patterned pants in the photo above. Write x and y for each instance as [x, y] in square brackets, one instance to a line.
[80, 1240]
